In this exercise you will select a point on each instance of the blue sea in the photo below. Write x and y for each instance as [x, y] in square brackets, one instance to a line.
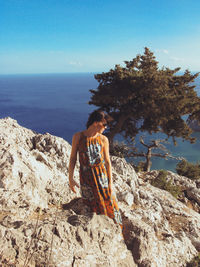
[58, 104]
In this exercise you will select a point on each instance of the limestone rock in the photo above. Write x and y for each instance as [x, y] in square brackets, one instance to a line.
[42, 222]
[34, 164]
[194, 193]
[80, 240]
[190, 187]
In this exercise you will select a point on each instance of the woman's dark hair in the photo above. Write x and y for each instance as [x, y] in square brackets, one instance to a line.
[97, 115]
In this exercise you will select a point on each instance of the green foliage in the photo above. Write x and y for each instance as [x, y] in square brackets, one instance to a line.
[119, 149]
[141, 97]
[188, 169]
[141, 166]
[195, 262]
[161, 182]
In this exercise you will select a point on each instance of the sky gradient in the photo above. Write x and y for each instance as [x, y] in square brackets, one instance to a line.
[52, 36]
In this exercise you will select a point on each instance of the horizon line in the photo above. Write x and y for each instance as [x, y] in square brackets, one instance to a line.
[49, 73]
[78, 72]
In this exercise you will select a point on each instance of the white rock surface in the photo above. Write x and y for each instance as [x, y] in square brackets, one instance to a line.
[159, 230]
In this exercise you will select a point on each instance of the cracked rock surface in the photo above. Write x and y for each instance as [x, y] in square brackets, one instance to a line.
[43, 223]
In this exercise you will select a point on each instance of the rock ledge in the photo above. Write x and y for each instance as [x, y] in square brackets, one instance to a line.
[43, 223]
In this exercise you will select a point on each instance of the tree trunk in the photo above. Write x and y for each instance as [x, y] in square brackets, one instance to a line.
[148, 160]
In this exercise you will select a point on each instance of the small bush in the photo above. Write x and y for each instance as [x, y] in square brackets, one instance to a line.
[119, 149]
[161, 182]
[188, 169]
[141, 166]
[195, 262]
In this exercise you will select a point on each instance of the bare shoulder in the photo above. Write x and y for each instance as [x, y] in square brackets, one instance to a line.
[104, 139]
[76, 137]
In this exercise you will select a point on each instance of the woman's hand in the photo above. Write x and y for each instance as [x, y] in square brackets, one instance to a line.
[72, 184]
[72, 161]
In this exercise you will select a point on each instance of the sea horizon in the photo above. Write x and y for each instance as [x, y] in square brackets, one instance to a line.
[47, 73]
[76, 72]
[58, 104]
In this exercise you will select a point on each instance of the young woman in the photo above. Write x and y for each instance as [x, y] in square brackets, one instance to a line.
[95, 167]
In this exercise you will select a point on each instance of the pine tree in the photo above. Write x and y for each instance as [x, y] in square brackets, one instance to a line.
[143, 97]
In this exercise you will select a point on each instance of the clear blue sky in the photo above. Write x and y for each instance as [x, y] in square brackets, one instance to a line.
[49, 36]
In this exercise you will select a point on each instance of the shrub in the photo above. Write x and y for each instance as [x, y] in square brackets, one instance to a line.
[119, 149]
[140, 166]
[188, 169]
[161, 182]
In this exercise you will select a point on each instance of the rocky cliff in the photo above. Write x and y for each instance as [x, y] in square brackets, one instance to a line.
[42, 223]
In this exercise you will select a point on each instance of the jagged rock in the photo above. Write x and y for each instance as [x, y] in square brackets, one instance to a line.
[190, 187]
[42, 217]
[158, 227]
[94, 241]
[194, 193]
[35, 164]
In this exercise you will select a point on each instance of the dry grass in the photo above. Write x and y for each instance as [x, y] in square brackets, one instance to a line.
[4, 213]
[134, 206]
[44, 215]
[34, 214]
[178, 223]
[190, 205]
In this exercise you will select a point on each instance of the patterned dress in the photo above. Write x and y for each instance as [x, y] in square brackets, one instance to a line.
[94, 178]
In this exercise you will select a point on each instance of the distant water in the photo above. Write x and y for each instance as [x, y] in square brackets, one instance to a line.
[58, 104]
[54, 103]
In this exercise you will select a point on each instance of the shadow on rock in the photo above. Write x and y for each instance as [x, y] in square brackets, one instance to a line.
[130, 239]
[79, 208]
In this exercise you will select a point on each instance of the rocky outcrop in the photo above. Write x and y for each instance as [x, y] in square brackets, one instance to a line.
[190, 188]
[42, 223]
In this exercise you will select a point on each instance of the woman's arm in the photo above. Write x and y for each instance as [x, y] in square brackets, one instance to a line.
[72, 161]
[107, 162]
